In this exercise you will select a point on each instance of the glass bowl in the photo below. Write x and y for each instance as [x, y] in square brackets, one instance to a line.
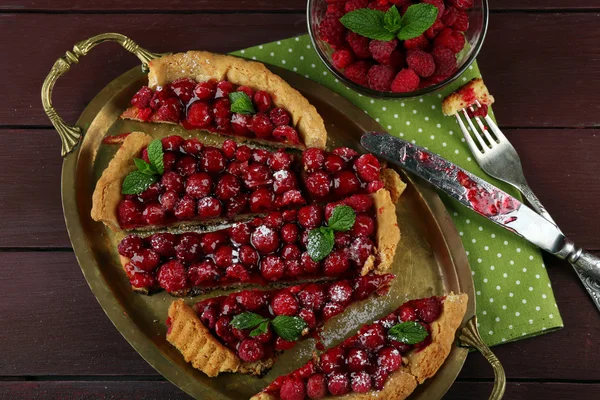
[478, 24]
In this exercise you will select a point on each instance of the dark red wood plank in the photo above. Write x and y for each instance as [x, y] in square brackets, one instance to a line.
[541, 76]
[134, 390]
[558, 164]
[53, 323]
[56, 327]
[246, 5]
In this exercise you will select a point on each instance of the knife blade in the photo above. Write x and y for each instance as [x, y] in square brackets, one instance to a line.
[481, 197]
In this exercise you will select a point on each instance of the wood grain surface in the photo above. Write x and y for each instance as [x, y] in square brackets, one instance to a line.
[539, 59]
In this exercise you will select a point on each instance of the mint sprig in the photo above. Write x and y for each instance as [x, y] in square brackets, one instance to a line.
[241, 103]
[147, 173]
[409, 332]
[322, 239]
[375, 24]
[288, 328]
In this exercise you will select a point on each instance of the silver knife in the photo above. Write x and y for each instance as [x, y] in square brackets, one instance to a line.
[483, 198]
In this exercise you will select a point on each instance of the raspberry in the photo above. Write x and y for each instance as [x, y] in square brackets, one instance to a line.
[200, 115]
[318, 183]
[130, 245]
[361, 382]
[334, 163]
[279, 117]
[336, 263]
[262, 101]
[451, 39]
[433, 31]
[333, 360]
[280, 160]
[154, 214]
[428, 309]
[169, 159]
[251, 350]
[342, 58]
[142, 280]
[316, 386]
[228, 187]
[367, 167]
[192, 146]
[346, 153]
[420, 42]
[313, 159]
[240, 233]
[261, 200]
[340, 292]
[332, 30]
[212, 160]
[283, 182]
[184, 89]
[462, 4]
[385, 52]
[265, 239]
[389, 359]
[130, 211]
[352, 5]
[169, 200]
[462, 21]
[338, 384]
[289, 233]
[375, 186]
[159, 97]
[272, 268]
[206, 90]
[405, 81]
[171, 276]
[357, 359]
[359, 44]
[246, 89]
[379, 378]
[292, 389]
[372, 336]
[439, 4]
[223, 89]
[261, 125]
[170, 111]
[420, 62]
[229, 147]
[445, 61]
[310, 216]
[407, 313]
[146, 260]
[360, 249]
[312, 297]
[286, 134]
[359, 203]
[363, 226]
[284, 304]
[205, 271]
[377, 5]
[345, 183]
[357, 72]
[186, 165]
[209, 207]
[241, 123]
[142, 98]
[450, 16]
[380, 77]
[251, 300]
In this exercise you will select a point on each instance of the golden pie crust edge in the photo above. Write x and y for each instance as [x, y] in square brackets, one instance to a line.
[421, 365]
[454, 102]
[200, 348]
[107, 193]
[202, 66]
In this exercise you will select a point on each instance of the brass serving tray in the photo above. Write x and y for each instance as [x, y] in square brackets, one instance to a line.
[430, 259]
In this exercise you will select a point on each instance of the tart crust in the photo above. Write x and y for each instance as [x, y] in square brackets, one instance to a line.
[456, 101]
[200, 348]
[202, 66]
[421, 365]
[107, 194]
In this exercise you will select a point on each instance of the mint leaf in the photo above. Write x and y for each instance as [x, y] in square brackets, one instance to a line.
[247, 320]
[241, 103]
[409, 332]
[391, 20]
[143, 166]
[342, 219]
[289, 328]
[416, 20]
[320, 243]
[262, 328]
[136, 182]
[368, 23]
[155, 155]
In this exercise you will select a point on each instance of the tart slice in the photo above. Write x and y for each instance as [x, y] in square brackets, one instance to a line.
[245, 331]
[192, 183]
[227, 95]
[282, 248]
[467, 96]
[385, 360]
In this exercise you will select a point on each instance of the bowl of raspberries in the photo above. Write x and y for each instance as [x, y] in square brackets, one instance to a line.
[397, 48]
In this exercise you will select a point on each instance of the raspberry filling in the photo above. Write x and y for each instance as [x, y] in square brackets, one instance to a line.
[397, 66]
[207, 106]
[313, 303]
[340, 173]
[363, 362]
[269, 249]
[202, 182]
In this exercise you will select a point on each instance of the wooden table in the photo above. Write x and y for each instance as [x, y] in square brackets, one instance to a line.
[541, 62]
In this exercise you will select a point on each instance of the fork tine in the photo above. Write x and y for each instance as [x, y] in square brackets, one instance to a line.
[474, 149]
[474, 131]
[485, 130]
[493, 126]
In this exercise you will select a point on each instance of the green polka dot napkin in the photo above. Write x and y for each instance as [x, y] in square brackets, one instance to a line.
[514, 296]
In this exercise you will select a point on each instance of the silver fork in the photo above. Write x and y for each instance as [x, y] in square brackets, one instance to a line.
[498, 158]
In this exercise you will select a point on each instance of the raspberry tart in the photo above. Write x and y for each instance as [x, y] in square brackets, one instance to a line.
[467, 96]
[344, 239]
[187, 182]
[385, 360]
[245, 331]
[227, 95]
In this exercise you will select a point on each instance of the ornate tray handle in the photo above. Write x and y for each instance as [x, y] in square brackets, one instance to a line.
[70, 135]
[469, 337]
